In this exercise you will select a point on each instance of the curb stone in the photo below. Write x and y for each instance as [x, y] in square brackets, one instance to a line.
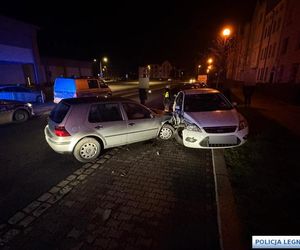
[230, 228]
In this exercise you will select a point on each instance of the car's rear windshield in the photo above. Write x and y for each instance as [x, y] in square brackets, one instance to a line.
[206, 102]
[59, 112]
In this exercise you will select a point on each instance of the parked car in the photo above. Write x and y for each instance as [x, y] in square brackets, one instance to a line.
[204, 118]
[79, 87]
[86, 126]
[20, 93]
[14, 111]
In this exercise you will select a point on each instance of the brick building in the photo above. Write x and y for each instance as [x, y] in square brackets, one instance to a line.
[267, 50]
[157, 71]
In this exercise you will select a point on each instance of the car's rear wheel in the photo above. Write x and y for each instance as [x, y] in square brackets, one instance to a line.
[87, 149]
[166, 132]
[21, 115]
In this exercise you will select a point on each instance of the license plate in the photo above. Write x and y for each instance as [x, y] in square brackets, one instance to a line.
[223, 139]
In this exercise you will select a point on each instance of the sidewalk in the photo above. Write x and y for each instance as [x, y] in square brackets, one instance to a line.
[151, 195]
[285, 114]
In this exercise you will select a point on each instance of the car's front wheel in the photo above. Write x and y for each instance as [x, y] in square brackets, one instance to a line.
[21, 115]
[87, 149]
[166, 132]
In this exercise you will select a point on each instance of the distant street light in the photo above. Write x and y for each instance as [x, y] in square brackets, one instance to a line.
[104, 59]
[210, 60]
[199, 67]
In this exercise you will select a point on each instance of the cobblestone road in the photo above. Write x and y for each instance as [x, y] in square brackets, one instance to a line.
[150, 195]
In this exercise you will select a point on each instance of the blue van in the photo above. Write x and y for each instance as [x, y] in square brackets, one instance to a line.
[79, 87]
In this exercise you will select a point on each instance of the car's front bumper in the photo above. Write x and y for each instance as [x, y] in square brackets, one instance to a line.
[195, 139]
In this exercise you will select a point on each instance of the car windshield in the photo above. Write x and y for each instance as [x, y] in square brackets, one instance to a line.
[206, 102]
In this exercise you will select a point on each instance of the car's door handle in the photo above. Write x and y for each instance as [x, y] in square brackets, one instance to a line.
[131, 124]
[99, 127]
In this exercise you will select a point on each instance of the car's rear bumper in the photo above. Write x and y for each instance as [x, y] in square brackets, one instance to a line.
[59, 146]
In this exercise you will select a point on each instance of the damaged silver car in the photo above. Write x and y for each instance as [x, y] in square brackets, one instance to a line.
[204, 118]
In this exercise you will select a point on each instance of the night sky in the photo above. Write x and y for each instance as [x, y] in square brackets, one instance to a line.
[129, 33]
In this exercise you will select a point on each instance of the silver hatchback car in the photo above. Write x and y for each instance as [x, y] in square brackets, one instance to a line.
[85, 126]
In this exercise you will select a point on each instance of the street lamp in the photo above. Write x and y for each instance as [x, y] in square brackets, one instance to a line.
[104, 59]
[225, 34]
[210, 60]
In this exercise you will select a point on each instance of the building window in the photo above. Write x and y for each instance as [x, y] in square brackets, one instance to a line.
[266, 52]
[270, 51]
[274, 49]
[278, 24]
[294, 72]
[258, 74]
[261, 54]
[266, 74]
[262, 74]
[269, 30]
[260, 18]
[265, 33]
[284, 46]
[280, 73]
[274, 27]
[298, 42]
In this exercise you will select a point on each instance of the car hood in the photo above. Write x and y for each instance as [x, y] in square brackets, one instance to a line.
[216, 118]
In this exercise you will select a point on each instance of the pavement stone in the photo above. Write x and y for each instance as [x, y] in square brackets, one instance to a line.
[138, 200]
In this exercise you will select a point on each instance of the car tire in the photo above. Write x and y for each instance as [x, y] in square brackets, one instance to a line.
[39, 99]
[20, 115]
[178, 134]
[87, 150]
[166, 132]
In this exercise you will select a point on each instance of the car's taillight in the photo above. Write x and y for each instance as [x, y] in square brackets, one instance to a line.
[61, 131]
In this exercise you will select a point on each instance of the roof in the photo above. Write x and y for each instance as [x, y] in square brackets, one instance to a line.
[200, 91]
[93, 99]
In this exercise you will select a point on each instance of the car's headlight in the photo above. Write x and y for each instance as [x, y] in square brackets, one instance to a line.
[29, 104]
[243, 124]
[193, 127]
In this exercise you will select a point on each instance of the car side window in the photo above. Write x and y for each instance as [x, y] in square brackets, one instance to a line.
[9, 89]
[105, 112]
[93, 84]
[135, 111]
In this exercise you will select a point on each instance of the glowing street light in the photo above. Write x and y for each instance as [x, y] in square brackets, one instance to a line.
[226, 32]
[104, 59]
[210, 60]
[209, 67]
